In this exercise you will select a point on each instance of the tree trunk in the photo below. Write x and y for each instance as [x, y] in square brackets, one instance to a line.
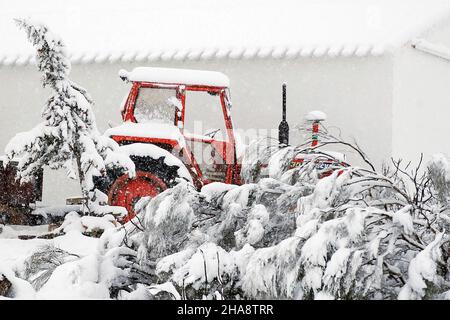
[81, 177]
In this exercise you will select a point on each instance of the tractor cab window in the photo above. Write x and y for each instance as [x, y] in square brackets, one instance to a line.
[204, 122]
[204, 115]
[155, 104]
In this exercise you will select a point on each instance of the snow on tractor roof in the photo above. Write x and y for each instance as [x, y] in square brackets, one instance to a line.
[178, 76]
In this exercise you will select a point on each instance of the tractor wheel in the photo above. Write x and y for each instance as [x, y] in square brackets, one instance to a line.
[153, 176]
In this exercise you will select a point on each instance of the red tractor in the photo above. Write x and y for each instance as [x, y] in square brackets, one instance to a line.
[158, 113]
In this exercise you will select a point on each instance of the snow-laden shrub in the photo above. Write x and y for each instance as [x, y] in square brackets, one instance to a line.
[357, 234]
[257, 153]
[439, 173]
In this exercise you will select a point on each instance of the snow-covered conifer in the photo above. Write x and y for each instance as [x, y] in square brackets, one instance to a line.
[68, 136]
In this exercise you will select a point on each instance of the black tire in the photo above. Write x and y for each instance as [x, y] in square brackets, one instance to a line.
[168, 174]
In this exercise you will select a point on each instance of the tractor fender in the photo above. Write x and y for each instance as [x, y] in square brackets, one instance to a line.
[142, 150]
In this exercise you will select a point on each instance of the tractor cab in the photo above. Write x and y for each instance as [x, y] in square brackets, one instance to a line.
[185, 112]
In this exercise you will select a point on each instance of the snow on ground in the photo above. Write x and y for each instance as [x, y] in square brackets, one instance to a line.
[14, 251]
[77, 279]
[13, 231]
[75, 242]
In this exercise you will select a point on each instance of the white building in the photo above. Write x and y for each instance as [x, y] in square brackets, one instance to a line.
[380, 69]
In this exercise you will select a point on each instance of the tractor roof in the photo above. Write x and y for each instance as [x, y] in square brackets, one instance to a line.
[176, 76]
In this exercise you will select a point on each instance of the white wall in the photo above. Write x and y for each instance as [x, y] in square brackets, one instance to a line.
[356, 94]
[421, 113]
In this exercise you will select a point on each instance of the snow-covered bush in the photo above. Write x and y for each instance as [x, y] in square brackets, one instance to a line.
[257, 153]
[356, 234]
[68, 136]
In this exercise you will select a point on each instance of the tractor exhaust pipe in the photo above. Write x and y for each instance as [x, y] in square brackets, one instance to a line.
[283, 128]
